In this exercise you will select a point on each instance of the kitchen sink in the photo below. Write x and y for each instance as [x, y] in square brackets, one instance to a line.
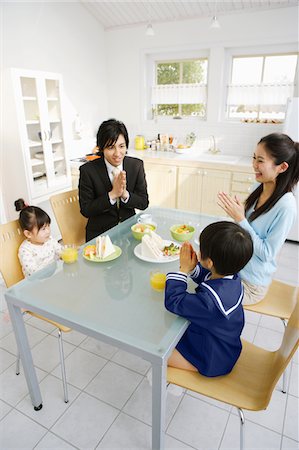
[210, 157]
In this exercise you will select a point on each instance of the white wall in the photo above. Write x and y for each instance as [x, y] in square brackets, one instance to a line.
[55, 37]
[126, 77]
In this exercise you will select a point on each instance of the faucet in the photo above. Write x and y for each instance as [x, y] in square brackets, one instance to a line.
[213, 149]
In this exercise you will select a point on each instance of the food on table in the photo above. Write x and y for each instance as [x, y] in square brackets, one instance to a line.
[171, 250]
[152, 245]
[182, 232]
[104, 247]
[182, 229]
[101, 249]
[90, 250]
[139, 229]
[143, 228]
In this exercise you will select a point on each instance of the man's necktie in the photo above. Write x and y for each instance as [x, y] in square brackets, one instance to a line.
[115, 172]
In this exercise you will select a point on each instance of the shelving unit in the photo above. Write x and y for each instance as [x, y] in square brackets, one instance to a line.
[41, 122]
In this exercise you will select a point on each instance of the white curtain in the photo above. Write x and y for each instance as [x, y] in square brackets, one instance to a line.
[259, 94]
[179, 94]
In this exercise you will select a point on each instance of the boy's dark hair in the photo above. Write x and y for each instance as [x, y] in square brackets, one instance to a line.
[31, 216]
[108, 133]
[228, 245]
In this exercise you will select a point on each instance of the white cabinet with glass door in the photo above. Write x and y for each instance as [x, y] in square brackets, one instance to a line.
[39, 105]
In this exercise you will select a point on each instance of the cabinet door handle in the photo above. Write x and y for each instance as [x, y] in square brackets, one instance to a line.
[249, 178]
[205, 172]
[45, 135]
[170, 171]
[199, 172]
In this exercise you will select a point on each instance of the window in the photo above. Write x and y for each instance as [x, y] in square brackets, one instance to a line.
[260, 86]
[180, 88]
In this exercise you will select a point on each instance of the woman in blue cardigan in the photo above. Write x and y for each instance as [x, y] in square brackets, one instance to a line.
[269, 211]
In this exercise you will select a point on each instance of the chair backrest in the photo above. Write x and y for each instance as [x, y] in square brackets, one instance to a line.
[70, 221]
[11, 237]
[288, 346]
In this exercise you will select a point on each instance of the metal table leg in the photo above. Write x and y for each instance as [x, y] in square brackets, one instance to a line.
[25, 353]
[158, 405]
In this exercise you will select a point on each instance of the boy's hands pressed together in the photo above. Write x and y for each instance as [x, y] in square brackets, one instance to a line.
[188, 258]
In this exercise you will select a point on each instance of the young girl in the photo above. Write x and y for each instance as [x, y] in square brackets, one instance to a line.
[38, 249]
[269, 211]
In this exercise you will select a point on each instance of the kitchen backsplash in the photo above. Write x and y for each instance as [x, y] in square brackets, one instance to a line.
[231, 138]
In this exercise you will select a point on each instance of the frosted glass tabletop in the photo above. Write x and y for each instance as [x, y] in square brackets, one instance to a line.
[113, 299]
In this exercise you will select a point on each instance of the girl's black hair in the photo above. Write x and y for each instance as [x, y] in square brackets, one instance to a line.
[31, 216]
[282, 149]
[228, 245]
[108, 133]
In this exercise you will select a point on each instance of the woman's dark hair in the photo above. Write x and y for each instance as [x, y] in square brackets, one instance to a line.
[31, 216]
[282, 149]
[228, 245]
[108, 133]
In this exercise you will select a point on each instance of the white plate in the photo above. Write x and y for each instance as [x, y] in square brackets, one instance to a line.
[164, 259]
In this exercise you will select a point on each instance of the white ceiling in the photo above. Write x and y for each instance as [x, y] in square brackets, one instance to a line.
[123, 13]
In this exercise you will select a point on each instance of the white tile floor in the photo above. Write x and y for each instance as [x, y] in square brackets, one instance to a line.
[110, 396]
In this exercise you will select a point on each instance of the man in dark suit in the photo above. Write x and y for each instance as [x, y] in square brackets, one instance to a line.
[111, 187]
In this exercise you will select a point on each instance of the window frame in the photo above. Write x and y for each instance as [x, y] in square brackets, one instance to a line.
[263, 51]
[149, 78]
[180, 62]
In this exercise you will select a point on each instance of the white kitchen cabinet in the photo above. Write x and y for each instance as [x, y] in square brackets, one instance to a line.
[242, 184]
[43, 141]
[161, 184]
[198, 188]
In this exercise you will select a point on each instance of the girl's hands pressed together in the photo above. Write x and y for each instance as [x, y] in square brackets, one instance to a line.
[188, 258]
[232, 206]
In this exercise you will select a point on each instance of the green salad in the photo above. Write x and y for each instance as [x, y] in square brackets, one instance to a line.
[171, 250]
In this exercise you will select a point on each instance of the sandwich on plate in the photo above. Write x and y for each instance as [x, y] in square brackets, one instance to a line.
[104, 247]
[152, 245]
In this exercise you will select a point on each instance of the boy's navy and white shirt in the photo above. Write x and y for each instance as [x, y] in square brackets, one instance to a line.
[212, 341]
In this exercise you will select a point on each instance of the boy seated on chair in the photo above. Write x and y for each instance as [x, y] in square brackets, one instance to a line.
[211, 344]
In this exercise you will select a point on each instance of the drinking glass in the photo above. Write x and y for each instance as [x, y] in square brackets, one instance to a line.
[69, 253]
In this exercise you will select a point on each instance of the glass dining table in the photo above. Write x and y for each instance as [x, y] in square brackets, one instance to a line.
[111, 301]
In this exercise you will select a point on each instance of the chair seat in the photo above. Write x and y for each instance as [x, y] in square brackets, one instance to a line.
[248, 385]
[56, 324]
[278, 302]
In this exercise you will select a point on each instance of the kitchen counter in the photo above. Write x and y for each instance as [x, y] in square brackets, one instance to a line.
[191, 155]
[219, 159]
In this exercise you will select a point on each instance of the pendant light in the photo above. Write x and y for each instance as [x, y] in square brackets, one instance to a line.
[214, 22]
[149, 28]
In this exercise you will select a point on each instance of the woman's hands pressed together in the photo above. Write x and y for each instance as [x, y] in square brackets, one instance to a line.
[232, 206]
[188, 258]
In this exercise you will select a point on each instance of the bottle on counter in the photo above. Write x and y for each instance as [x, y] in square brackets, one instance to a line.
[139, 142]
[153, 146]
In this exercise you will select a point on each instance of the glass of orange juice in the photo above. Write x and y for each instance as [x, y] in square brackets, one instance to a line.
[69, 253]
[158, 280]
